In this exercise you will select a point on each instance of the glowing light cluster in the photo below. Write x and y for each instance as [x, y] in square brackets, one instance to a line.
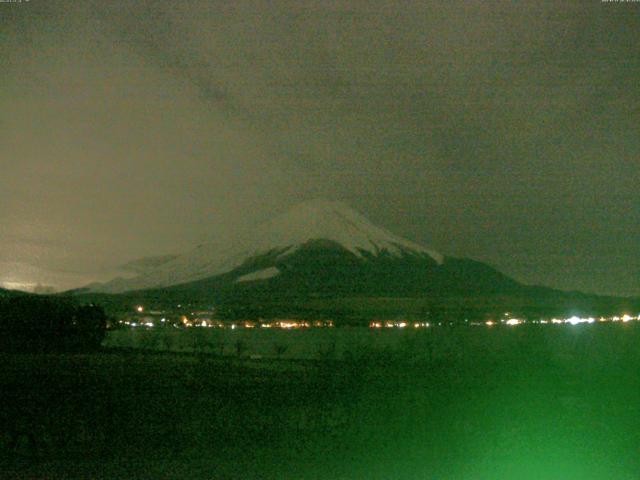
[573, 320]
[397, 324]
[248, 324]
[576, 320]
[291, 324]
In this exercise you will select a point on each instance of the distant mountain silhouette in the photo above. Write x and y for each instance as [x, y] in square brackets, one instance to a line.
[322, 259]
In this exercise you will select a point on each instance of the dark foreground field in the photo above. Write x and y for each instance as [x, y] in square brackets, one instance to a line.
[538, 402]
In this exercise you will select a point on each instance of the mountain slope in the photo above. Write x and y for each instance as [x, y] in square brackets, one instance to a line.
[317, 220]
[323, 280]
[322, 268]
[322, 259]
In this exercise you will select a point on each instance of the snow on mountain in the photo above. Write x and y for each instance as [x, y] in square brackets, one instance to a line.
[259, 275]
[313, 220]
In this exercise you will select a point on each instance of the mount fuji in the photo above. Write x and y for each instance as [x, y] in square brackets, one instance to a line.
[330, 223]
[322, 258]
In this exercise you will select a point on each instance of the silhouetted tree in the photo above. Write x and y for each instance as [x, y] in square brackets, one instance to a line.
[30, 323]
[91, 326]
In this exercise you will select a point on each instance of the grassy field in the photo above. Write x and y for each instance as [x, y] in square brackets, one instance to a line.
[531, 402]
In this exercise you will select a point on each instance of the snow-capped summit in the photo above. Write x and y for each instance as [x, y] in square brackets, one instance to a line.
[313, 220]
[334, 221]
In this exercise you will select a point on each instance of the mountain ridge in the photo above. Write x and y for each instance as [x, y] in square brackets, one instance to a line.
[289, 267]
[312, 220]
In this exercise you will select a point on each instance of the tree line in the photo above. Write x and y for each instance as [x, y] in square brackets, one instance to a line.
[35, 323]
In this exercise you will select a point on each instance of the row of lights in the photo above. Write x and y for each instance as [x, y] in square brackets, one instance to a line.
[575, 320]
[398, 324]
[292, 324]
[282, 324]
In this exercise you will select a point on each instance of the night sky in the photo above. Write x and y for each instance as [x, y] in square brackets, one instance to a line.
[508, 133]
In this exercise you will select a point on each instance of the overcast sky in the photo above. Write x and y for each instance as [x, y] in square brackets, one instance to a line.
[504, 132]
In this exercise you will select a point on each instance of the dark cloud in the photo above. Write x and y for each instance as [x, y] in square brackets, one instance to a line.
[503, 132]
